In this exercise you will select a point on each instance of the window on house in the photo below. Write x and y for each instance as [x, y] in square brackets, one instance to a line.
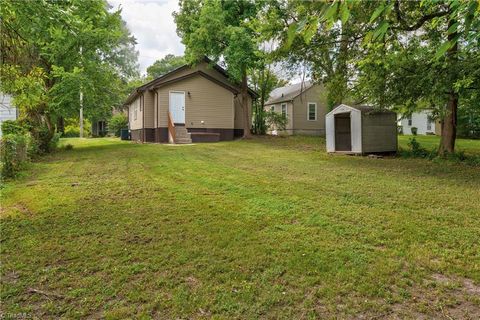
[429, 123]
[135, 113]
[284, 109]
[312, 111]
[272, 108]
[409, 118]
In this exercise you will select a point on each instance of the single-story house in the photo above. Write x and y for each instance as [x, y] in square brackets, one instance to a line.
[189, 104]
[7, 109]
[361, 130]
[304, 105]
[422, 120]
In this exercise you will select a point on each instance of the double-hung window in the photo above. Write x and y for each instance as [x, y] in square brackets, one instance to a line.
[312, 111]
[409, 118]
[429, 123]
[284, 110]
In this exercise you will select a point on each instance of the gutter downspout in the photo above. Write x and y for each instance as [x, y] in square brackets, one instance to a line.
[157, 131]
[143, 116]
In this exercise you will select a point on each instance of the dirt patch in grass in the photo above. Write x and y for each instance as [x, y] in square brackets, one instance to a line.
[442, 297]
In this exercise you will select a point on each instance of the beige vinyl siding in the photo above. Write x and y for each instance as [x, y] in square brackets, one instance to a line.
[148, 103]
[207, 102]
[290, 114]
[135, 122]
[301, 124]
[379, 132]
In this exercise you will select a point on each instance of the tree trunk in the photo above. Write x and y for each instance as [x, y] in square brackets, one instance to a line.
[449, 124]
[246, 110]
[61, 125]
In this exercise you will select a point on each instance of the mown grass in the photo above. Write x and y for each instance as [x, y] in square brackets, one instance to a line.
[468, 146]
[265, 228]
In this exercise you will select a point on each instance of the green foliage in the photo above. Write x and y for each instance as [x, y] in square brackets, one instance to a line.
[469, 118]
[117, 123]
[13, 154]
[13, 127]
[416, 149]
[52, 50]
[275, 120]
[166, 64]
[263, 80]
[72, 128]
[414, 130]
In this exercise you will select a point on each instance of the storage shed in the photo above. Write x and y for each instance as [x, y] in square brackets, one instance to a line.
[361, 130]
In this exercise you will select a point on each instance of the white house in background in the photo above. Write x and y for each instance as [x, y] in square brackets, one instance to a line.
[7, 110]
[421, 120]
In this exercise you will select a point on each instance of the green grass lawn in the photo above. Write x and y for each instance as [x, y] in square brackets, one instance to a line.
[432, 142]
[266, 228]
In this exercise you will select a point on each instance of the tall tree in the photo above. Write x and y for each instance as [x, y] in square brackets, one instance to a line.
[434, 46]
[412, 54]
[221, 29]
[263, 80]
[165, 65]
[56, 48]
[324, 47]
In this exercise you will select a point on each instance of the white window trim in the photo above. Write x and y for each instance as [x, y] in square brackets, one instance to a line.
[308, 111]
[286, 109]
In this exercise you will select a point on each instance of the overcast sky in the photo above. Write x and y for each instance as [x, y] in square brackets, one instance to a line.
[151, 22]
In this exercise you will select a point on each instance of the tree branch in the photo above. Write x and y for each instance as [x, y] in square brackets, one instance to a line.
[403, 24]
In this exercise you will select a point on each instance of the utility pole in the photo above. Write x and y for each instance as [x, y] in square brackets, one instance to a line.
[81, 113]
[81, 101]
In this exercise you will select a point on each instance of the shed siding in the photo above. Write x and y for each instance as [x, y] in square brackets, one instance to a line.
[207, 102]
[301, 124]
[379, 132]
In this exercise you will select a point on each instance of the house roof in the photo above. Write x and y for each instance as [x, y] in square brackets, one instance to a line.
[288, 93]
[160, 81]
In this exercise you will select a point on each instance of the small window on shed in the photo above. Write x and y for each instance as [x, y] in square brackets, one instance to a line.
[272, 108]
[409, 118]
[312, 111]
[284, 110]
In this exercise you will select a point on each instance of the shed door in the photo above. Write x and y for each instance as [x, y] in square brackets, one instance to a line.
[177, 107]
[343, 133]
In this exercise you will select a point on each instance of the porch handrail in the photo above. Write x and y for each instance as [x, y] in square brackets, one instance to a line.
[171, 128]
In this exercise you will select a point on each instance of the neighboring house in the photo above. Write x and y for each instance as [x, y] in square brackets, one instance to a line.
[361, 130]
[7, 110]
[188, 104]
[305, 106]
[421, 120]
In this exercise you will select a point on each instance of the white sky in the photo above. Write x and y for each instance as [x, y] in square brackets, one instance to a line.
[151, 23]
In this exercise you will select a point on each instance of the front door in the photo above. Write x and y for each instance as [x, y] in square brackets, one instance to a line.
[177, 107]
[343, 134]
